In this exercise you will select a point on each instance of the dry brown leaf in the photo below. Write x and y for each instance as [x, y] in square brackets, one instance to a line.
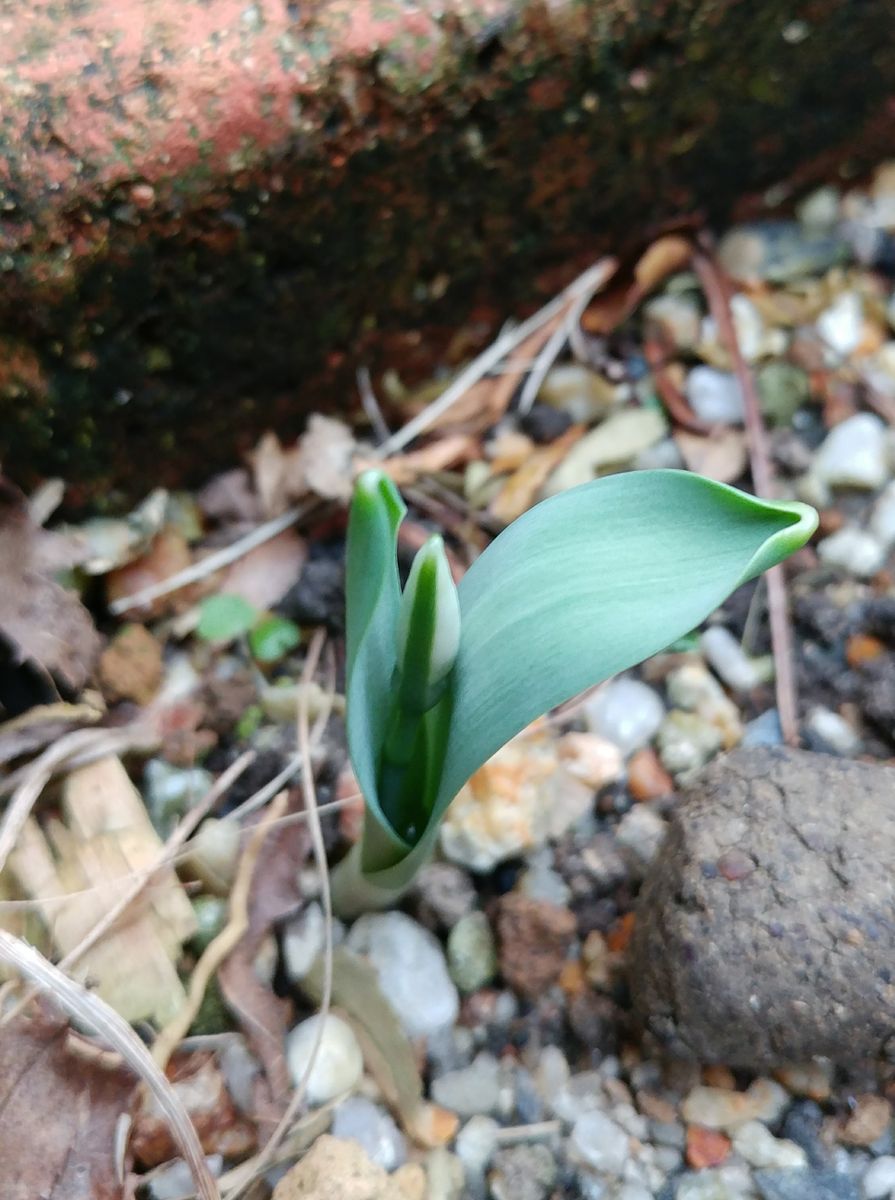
[59, 1112]
[279, 474]
[229, 498]
[41, 726]
[523, 487]
[265, 574]
[325, 463]
[508, 451]
[42, 622]
[200, 1085]
[632, 282]
[130, 667]
[668, 378]
[274, 895]
[722, 456]
[448, 451]
[663, 258]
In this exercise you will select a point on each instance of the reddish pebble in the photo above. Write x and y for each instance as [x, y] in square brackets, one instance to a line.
[734, 865]
[706, 1147]
[620, 934]
[647, 778]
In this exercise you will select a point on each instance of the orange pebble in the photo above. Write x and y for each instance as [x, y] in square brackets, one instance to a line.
[647, 778]
[620, 933]
[572, 979]
[863, 648]
[706, 1147]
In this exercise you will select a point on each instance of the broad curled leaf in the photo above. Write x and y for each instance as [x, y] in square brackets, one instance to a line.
[584, 585]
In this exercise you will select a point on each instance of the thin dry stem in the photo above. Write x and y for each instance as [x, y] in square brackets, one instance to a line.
[554, 345]
[115, 1031]
[588, 281]
[225, 942]
[267, 1155]
[213, 562]
[717, 293]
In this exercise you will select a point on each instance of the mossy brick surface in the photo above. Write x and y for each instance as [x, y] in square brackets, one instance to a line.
[210, 212]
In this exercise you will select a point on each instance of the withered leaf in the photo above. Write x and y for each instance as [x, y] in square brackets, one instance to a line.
[44, 627]
[59, 1108]
[263, 1016]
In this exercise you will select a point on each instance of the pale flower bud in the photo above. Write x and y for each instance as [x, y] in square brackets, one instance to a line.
[428, 627]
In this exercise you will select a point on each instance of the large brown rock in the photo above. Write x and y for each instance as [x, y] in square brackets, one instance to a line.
[209, 213]
[766, 929]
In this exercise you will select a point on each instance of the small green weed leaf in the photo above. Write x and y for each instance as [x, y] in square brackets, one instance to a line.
[223, 618]
[584, 585]
[272, 638]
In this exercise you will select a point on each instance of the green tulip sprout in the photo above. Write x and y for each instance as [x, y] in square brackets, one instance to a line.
[584, 585]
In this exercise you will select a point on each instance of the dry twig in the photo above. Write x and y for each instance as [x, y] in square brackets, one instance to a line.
[266, 1156]
[214, 562]
[717, 293]
[508, 341]
[225, 942]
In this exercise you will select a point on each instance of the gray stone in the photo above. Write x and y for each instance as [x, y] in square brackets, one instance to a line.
[806, 1185]
[777, 251]
[856, 551]
[446, 892]
[522, 1173]
[360, 1119]
[625, 712]
[472, 1091]
[764, 931]
[853, 454]
[598, 1142]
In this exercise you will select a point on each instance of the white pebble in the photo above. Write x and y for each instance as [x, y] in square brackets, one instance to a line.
[882, 519]
[678, 317]
[412, 970]
[715, 396]
[476, 1143]
[302, 942]
[879, 1180]
[338, 1064]
[841, 324]
[833, 730]
[633, 1191]
[754, 1142]
[853, 454]
[854, 551]
[625, 712]
[600, 1143]
[728, 659]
